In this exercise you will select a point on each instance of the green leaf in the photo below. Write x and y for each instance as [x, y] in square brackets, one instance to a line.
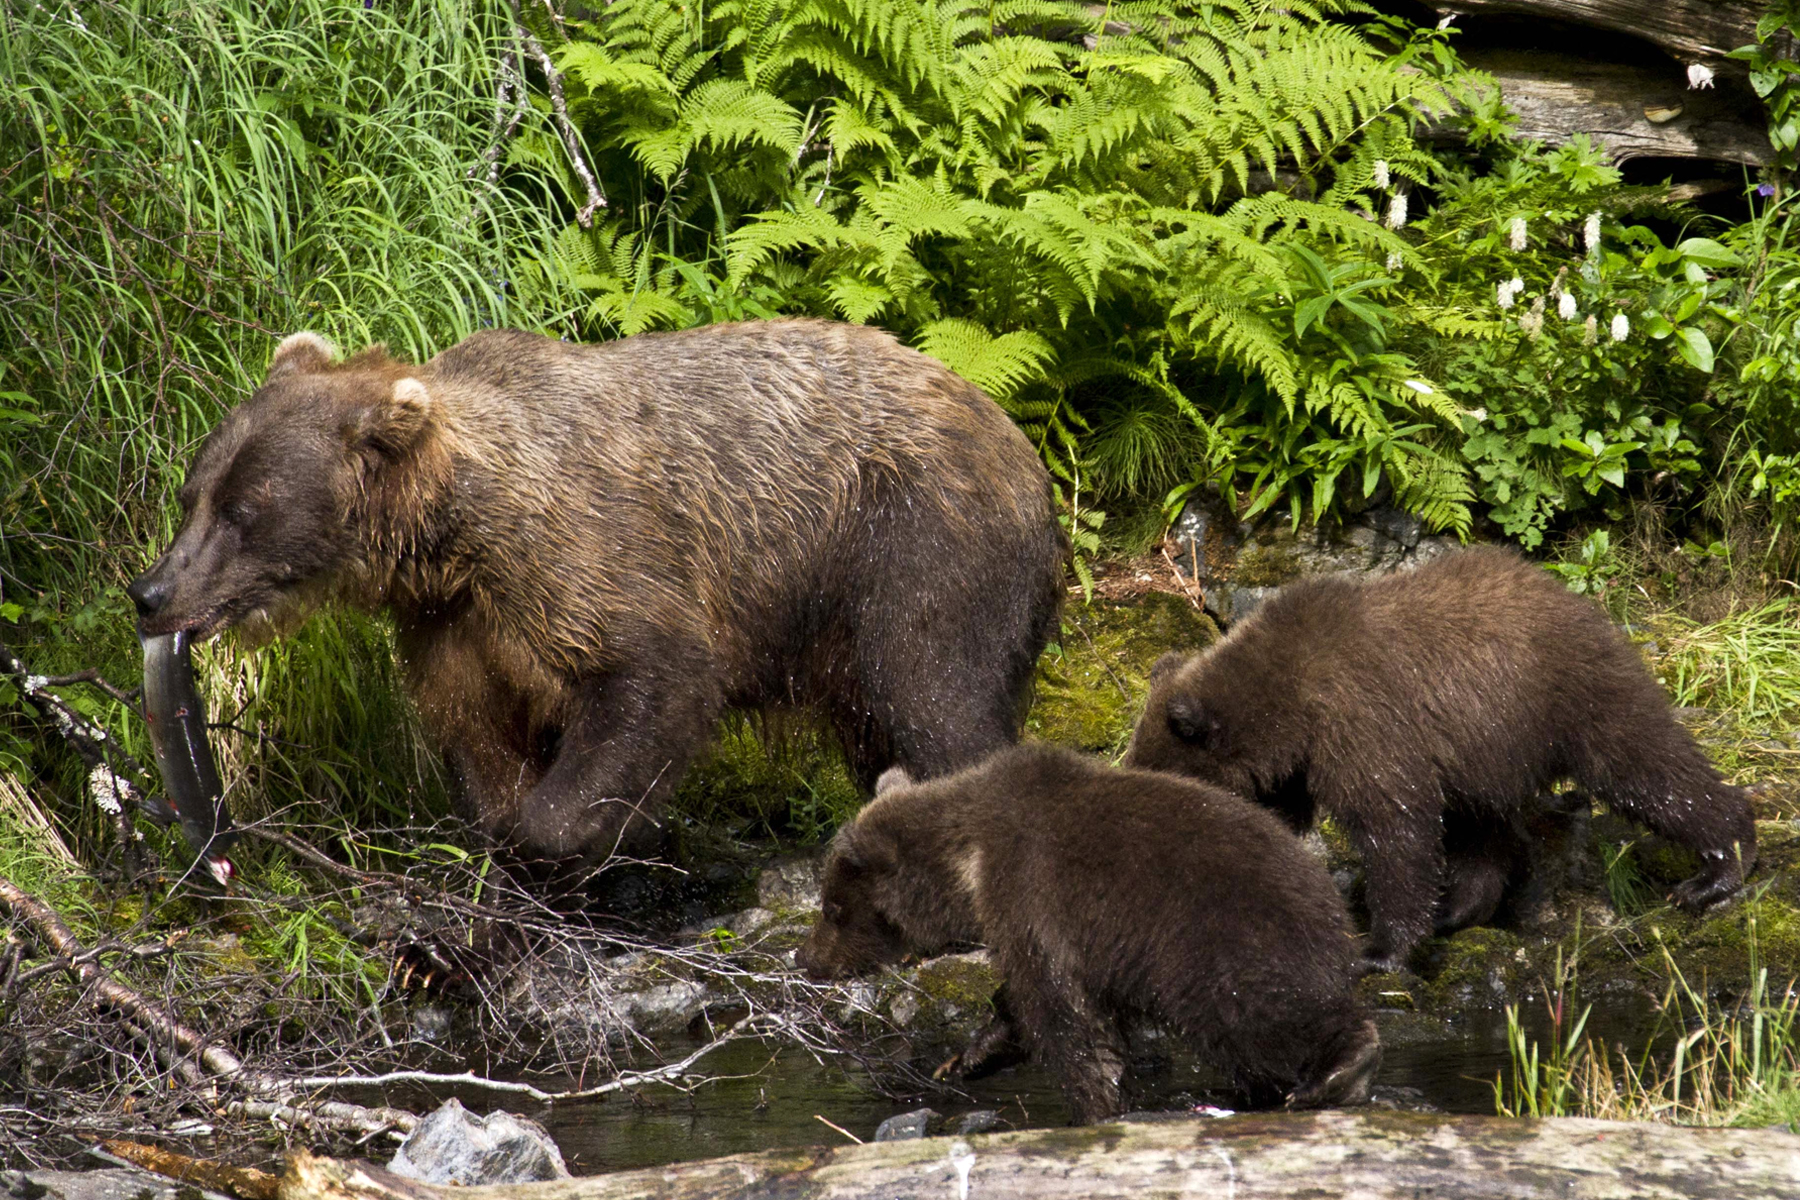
[1709, 253]
[1696, 348]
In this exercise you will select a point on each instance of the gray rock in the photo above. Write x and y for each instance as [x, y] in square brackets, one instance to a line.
[906, 1126]
[979, 1121]
[453, 1145]
[1241, 564]
[790, 883]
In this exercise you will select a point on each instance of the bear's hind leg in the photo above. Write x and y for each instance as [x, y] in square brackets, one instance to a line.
[1481, 856]
[1657, 775]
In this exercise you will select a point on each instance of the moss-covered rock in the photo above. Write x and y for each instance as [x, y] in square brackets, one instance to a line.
[1091, 684]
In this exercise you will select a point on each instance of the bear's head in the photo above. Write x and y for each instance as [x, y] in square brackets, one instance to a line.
[275, 500]
[873, 910]
[1184, 731]
[855, 932]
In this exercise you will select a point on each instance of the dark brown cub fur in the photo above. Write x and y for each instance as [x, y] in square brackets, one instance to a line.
[1422, 711]
[592, 551]
[1106, 897]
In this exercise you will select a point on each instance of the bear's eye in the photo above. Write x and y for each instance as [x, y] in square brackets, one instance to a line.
[237, 512]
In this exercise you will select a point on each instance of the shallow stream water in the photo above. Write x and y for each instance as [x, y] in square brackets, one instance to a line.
[776, 1096]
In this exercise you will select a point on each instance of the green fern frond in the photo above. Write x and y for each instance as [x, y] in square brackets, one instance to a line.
[999, 366]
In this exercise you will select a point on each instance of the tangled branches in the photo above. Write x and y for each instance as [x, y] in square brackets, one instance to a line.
[287, 1005]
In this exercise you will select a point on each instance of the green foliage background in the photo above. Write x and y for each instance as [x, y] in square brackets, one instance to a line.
[1186, 245]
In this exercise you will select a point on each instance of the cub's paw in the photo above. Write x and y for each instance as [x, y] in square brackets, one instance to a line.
[1347, 1081]
[1716, 882]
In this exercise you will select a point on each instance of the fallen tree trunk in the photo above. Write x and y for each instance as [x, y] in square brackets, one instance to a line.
[1250, 1157]
[1687, 29]
[1559, 95]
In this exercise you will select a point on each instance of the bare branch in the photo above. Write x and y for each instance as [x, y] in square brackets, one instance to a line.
[564, 126]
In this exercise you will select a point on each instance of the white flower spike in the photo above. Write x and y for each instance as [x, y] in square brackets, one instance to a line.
[1590, 332]
[1396, 214]
[1394, 261]
[1381, 173]
[1516, 236]
[1590, 232]
[1621, 327]
[1565, 306]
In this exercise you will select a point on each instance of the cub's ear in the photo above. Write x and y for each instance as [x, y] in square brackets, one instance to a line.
[1188, 722]
[892, 778]
[1168, 664]
[394, 423]
[299, 353]
[860, 852]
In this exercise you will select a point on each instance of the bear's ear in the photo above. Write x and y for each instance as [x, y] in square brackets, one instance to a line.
[861, 853]
[1188, 722]
[299, 353]
[395, 422]
[892, 778]
[1167, 665]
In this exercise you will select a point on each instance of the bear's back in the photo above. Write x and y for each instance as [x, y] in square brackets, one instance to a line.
[1095, 855]
[1471, 657]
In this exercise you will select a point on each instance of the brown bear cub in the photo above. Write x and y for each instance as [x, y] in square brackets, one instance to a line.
[1422, 711]
[1108, 897]
[592, 551]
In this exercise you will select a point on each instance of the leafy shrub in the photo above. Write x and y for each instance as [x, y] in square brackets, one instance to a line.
[1138, 230]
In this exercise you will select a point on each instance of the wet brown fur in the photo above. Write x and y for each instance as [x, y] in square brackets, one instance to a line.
[591, 551]
[1108, 897]
[1422, 711]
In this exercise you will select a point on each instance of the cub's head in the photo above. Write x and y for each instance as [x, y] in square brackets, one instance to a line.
[857, 931]
[271, 500]
[1183, 730]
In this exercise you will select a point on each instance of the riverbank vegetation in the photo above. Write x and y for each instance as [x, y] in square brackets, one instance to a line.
[1288, 254]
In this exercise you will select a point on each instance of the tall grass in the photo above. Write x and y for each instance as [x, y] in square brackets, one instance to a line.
[181, 183]
[1708, 1062]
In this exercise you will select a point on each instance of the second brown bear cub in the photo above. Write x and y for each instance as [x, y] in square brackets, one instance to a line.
[1422, 711]
[1108, 897]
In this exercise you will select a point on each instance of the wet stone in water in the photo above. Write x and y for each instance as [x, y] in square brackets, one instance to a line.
[453, 1145]
[916, 1124]
[979, 1121]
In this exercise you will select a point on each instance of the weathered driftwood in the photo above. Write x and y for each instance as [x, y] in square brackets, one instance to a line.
[1688, 29]
[1559, 95]
[1337, 1154]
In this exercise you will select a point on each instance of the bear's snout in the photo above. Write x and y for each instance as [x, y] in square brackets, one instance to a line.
[150, 591]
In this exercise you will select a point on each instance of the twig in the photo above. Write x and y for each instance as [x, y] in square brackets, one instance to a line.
[834, 1125]
[97, 748]
[584, 216]
[186, 1049]
[1193, 591]
[631, 1079]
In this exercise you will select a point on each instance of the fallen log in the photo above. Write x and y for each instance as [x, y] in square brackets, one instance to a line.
[1249, 1157]
[1687, 29]
[1559, 95]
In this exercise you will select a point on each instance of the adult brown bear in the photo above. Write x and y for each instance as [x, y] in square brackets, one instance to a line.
[1422, 711]
[590, 552]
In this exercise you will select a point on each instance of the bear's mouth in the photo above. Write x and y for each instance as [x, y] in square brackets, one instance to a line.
[198, 629]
